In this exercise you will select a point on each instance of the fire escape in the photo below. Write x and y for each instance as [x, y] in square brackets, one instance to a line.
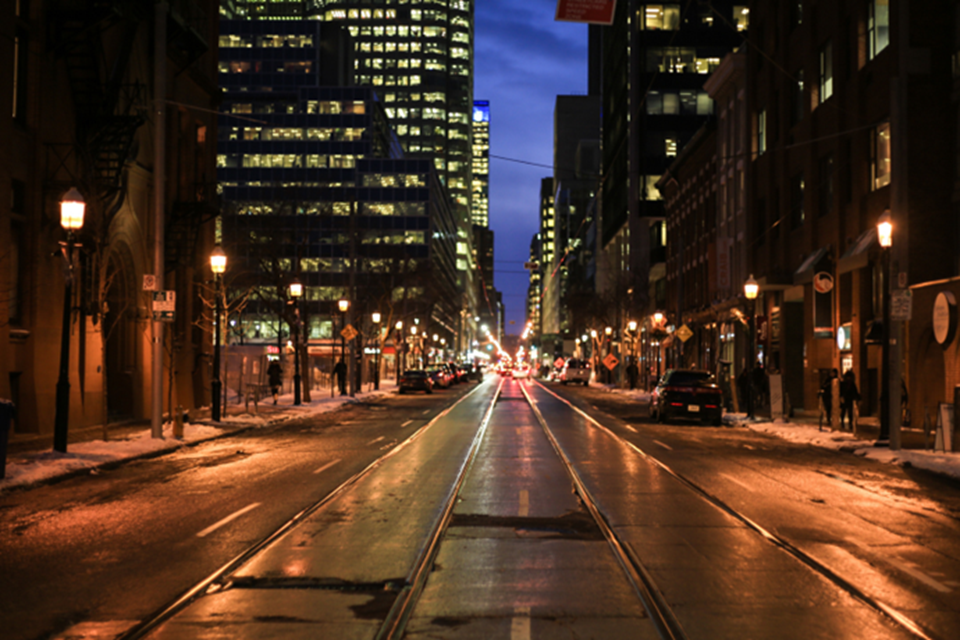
[96, 40]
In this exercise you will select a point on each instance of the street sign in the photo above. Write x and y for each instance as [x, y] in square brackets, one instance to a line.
[558, 362]
[164, 305]
[349, 332]
[588, 11]
[149, 282]
[610, 361]
[531, 266]
[684, 333]
[901, 305]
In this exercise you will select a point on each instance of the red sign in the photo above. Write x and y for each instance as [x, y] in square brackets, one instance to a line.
[588, 11]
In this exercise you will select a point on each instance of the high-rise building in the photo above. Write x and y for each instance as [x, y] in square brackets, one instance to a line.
[480, 190]
[655, 61]
[419, 58]
[316, 187]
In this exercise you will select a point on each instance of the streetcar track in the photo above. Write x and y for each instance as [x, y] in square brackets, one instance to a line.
[661, 615]
[219, 579]
[810, 561]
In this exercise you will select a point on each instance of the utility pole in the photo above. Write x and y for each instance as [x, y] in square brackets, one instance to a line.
[159, 205]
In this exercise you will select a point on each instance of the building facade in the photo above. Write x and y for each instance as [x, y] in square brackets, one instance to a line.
[88, 114]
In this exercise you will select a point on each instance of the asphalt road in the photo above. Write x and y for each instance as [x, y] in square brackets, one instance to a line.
[104, 550]
[745, 535]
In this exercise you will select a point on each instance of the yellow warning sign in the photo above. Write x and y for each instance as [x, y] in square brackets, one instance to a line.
[349, 332]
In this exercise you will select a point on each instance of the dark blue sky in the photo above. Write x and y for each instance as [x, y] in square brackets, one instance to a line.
[523, 60]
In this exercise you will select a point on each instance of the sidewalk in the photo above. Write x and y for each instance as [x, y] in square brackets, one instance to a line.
[31, 459]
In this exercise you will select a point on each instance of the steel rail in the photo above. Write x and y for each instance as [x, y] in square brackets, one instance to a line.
[396, 621]
[646, 589]
[215, 581]
[833, 576]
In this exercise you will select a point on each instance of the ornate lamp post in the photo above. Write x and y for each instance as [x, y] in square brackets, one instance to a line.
[658, 320]
[885, 237]
[398, 347]
[413, 344]
[296, 292]
[72, 209]
[218, 264]
[750, 290]
[376, 355]
[344, 306]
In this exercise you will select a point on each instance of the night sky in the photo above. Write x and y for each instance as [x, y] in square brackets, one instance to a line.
[523, 60]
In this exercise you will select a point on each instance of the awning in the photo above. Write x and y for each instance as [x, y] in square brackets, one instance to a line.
[810, 265]
[858, 255]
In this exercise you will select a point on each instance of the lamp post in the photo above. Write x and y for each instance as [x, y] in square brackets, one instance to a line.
[413, 343]
[608, 332]
[398, 347]
[296, 292]
[72, 209]
[658, 319]
[344, 306]
[376, 354]
[750, 290]
[218, 264]
[885, 237]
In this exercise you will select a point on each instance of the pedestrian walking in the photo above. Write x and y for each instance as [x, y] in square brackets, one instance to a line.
[275, 378]
[633, 374]
[826, 394]
[849, 396]
[340, 370]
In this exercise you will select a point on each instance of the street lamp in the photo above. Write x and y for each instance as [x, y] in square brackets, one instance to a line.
[72, 209]
[885, 237]
[750, 290]
[218, 264]
[413, 342]
[296, 292]
[398, 347]
[376, 356]
[343, 305]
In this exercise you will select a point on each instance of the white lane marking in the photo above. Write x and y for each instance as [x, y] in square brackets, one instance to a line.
[327, 466]
[736, 481]
[520, 624]
[426, 412]
[631, 428]
[405, 423]
[665, 446]
[227, 520]
[92, 630]
[906, 567]
[375, 440]
[524, 504]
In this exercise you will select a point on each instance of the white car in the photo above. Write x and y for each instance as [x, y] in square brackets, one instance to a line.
[521, 371]
[575, 370]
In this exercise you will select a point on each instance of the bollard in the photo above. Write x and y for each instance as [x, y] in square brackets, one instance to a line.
[7, 411]
[178, 422]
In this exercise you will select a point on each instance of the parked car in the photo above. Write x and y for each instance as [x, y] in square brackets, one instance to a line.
[687, 393]
[575, 370]
[440, 376]
[415, 380]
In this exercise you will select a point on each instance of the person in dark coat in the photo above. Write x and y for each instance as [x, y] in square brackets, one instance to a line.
[340, 370]
[826, 393]
[275, 377]
[633, 374]
[849, 396]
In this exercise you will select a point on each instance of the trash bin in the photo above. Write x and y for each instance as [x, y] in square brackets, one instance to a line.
[7, 409]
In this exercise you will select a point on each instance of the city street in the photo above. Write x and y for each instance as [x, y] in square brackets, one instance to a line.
[342, 525]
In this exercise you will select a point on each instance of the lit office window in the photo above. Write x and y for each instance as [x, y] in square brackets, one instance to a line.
[826, 72]
[656, 17]
[741, 17]
[878, 26]
[880, 156]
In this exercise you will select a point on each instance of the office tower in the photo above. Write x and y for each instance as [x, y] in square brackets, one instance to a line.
[316, 187]
[480, 192]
